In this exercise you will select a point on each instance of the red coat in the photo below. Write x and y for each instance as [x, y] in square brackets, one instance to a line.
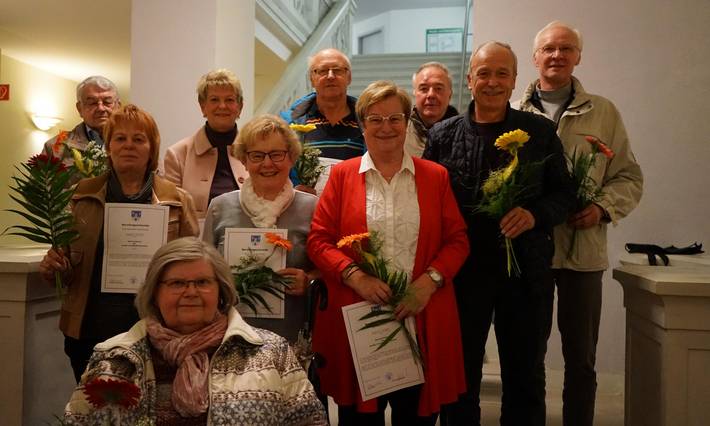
[442, 245]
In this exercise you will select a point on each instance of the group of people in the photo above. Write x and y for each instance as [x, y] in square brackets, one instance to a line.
[413, 174]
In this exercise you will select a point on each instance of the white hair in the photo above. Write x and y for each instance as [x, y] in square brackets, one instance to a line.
[557, 24]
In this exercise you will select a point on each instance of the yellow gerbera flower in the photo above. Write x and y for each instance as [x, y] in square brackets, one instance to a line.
[350, 239]
[512, 141]
[303, 128]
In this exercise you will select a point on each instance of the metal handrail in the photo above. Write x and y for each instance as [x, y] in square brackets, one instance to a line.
[469, 8]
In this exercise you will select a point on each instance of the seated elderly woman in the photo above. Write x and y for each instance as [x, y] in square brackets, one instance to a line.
[409, 203]
[192, 359]
[89, 315]
[267, 199]
[203, 164]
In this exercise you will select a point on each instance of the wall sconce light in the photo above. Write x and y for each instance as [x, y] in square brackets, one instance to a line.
[44, 122]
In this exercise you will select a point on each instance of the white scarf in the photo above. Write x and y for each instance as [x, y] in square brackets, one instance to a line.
[262, 212]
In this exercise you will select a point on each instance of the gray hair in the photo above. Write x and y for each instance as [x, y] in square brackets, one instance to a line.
[433, 64]
[312, 59]
[181, 250]
[98, 81]
[499, 44]
[557, 24]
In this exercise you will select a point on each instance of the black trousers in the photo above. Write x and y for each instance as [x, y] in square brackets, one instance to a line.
[522, 308]
[79, 351]
[579, 301]
[403, 403]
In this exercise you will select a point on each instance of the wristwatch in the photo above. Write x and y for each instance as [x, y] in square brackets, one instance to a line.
[436, 277]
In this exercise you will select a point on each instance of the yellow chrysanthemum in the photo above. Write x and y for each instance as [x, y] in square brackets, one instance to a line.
[350, 239]
[512, 141]
[303, 128]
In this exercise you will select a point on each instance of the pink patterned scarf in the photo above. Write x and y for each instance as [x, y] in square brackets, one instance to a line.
[190, 396]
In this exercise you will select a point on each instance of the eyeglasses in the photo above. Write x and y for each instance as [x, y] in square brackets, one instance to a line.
[259, 156]
[337, 71]
[95, 102]
[178, 285]
[376, 120]
[550, 50]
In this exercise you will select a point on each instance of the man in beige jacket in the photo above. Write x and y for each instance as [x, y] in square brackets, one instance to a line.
[580, 244]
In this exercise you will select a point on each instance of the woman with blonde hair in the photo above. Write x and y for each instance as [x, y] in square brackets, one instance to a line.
[203, 164]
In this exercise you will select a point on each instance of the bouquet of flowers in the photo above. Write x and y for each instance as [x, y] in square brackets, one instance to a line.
[308, 167]
[91, 163]
[587, 189]
[371, 261]
[41, 191]
[507, 187]
[252, 276]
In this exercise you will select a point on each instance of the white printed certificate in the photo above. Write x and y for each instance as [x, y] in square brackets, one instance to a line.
[240, 242]
[327, 163]
[132, 234]
[388, 369]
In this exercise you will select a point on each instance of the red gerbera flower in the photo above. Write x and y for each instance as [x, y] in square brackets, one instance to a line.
[37, 160]
[102, 392]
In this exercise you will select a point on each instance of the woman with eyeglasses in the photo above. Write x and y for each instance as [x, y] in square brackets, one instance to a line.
[192, 359]
[409, 203]
[268, 148]
[89, 315]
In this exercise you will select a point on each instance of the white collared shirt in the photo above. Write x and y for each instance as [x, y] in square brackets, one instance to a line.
[392, 211]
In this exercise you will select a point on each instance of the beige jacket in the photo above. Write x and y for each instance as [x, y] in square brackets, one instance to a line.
[190, 164]
[620, 178]
[88, 209]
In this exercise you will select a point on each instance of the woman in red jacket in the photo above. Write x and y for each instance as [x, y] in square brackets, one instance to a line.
[409, 203]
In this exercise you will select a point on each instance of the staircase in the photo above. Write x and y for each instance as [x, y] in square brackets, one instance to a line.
[400, 67]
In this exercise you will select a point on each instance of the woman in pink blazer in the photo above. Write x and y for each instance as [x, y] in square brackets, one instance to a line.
[409, 202]
[203, 164]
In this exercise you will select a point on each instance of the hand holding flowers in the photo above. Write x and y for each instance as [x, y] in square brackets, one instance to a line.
[252, 278]
[505, 190]
[371, 278]
[588, 190]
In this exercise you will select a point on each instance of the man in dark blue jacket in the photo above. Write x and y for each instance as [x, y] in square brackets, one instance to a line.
[484, 287]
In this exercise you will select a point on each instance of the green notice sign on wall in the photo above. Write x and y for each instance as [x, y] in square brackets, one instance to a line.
[444, 39]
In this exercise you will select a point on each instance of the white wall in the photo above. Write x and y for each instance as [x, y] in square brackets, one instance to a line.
[405, 30]
[652, 59]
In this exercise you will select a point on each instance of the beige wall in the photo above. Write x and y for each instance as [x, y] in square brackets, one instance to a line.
[30, 90]
[652, 59]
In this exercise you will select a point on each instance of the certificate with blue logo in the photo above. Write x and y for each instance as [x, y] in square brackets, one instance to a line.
[132, 234]
[250, 248]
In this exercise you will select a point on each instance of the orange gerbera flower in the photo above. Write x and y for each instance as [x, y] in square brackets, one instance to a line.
[59, 141]
[601, 146]
[350, 239]
[277, 241]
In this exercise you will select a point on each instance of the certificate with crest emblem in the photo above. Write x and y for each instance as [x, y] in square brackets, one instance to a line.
[387, 369]
[241, 243]
[132, 234]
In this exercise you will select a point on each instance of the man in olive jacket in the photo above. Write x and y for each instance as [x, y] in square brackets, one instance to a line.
[522, 305]
[580, 244]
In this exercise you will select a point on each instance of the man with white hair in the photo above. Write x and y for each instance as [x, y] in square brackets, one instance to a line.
[432, 93]
[580, 244]
[96, 97]
[337, 132]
